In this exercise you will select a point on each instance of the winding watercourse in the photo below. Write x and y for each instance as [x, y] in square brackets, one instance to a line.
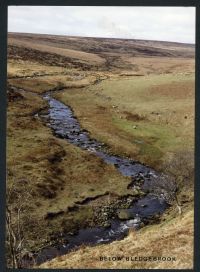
[60, 118]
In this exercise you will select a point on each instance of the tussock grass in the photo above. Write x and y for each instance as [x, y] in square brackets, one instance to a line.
[172, 238]
[145, 110]
[57, 173]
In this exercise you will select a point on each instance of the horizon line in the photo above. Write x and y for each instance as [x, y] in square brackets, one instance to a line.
[98, 37]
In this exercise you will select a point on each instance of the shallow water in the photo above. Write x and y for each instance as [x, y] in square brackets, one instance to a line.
[139, 212]
[65, 125]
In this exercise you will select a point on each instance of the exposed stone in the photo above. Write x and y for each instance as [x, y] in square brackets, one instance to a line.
[124, 214]
[106, 224]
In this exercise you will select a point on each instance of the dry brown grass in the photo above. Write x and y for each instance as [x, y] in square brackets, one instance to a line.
[20, 68]
[161, 65]
[56, 173]
[173, 239]
[45, 83]
[175, 90]
[116, 55]
[159, 103]
[75, 54]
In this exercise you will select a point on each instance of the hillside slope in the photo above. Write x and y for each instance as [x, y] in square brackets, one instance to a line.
[171, 239]
[134, 96]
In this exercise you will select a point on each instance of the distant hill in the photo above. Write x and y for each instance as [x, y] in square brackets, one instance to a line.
[89, 53]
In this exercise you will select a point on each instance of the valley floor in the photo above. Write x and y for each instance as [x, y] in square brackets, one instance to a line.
[140, 107]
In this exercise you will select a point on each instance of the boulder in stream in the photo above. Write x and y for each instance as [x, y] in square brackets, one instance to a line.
[124, 214]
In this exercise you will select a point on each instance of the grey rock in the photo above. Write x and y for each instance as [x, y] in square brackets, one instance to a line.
[106, 225]
[124, 214]
[144, 205]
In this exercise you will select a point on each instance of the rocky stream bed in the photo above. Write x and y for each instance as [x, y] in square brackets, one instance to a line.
[111, 221]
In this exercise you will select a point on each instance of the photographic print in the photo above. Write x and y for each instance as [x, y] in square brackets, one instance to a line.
[100, 137]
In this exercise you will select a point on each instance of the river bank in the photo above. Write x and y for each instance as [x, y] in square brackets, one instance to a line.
[136, 172]
[134, 212]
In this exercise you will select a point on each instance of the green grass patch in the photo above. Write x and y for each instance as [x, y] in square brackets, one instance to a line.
[153, 140]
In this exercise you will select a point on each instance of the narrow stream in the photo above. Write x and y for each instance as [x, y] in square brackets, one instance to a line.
[65, 125]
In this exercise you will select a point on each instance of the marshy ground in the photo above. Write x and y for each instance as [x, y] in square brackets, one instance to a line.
[136, 97]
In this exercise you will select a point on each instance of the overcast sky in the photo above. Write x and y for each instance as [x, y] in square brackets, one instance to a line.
[153, 23]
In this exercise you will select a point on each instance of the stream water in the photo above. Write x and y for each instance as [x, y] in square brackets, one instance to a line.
[65, 125]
